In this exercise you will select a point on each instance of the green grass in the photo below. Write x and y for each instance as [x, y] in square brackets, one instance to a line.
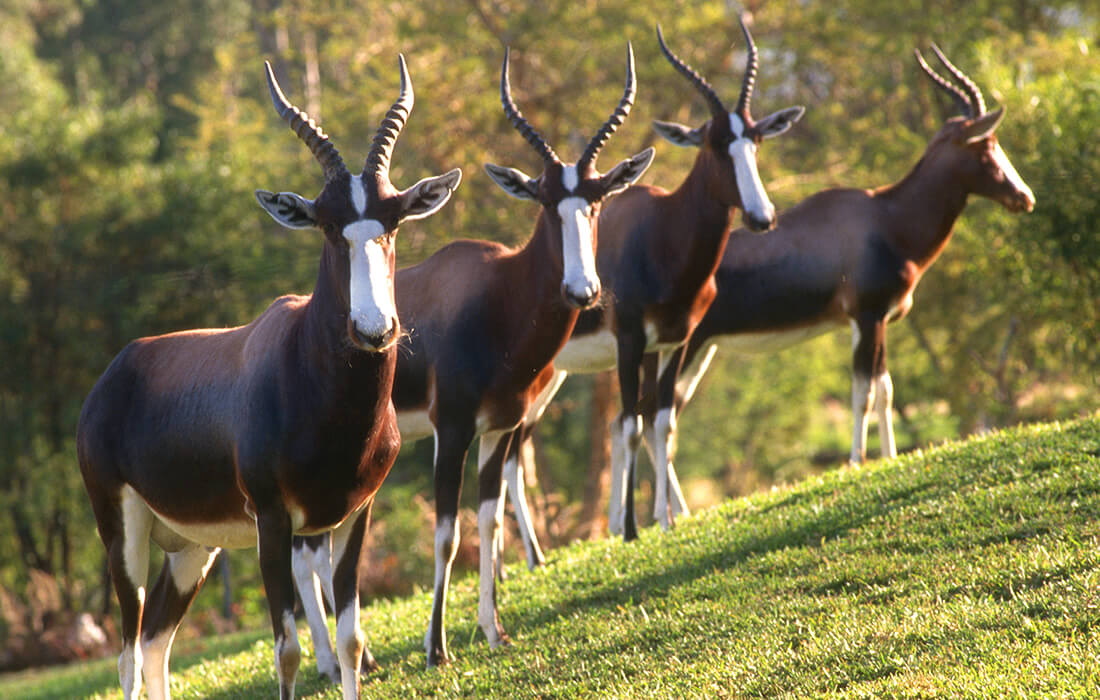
[969, 570]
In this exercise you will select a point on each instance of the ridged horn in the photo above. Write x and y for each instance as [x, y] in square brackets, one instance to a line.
[950, 88]
[522, 125]
[378, 159]
[306, 129]
[717, 109]
[588, 158]
[749, 80]
[971, 89]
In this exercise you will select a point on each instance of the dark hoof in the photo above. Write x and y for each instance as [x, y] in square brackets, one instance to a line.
[368, 665]
[438, 659]
[630, 532]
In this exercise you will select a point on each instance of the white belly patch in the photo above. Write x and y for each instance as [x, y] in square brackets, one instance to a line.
[238, 534]
[772, 340]
[414, 425]
[588, 354]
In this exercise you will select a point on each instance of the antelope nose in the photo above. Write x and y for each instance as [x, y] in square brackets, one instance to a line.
[759, 224]
[1027, 201]
[376, 341]
[583, 299]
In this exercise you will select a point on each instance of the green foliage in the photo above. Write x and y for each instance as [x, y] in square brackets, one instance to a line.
[943, 573]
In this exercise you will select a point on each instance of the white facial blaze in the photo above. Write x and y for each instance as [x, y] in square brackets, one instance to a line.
[1002, 161]
[578, 249]
[754, 200]
[358, 194]
[569, 178]
[373, 309]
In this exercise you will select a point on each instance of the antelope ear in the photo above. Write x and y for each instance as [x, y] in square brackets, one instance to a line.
[983, 126]
[289, 209]
[678, 134]
[778, 122]
[627, 172]
[427, 196]
[513, 181]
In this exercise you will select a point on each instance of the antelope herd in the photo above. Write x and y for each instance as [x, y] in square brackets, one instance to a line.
[280, 432]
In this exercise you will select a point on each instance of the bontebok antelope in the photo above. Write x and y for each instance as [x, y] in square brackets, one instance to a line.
[221, 438]
[484, 322]
[657, 254]
[855, 256]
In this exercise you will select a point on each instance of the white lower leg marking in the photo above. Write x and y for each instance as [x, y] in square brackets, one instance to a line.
[155, 653]
[130, 661]
[618, 469]
[517, 491]
[861, 398]
[664, 427]
[288, 654]
[489, 516]
[349, 647]
[187, 568]
[446, 546]
[308, 566]
[884, 402]
[630, 439]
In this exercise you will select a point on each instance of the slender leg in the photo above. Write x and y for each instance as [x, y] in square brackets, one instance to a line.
[861, 398]
[179, 582]
[347, 548]
[631, 346]
[664, 427]
[451, 445]
[631, 437]
[312, 563]
[868, 360]
[692, 370]
[491, 453]
[273, 527]
[524, 462]
[127, 544]
[884, 409]
[521, 451]
[617, 503]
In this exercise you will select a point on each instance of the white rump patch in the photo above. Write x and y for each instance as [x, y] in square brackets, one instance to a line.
[372, 302]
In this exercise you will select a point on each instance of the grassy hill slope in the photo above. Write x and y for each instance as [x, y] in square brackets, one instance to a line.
[971, 569]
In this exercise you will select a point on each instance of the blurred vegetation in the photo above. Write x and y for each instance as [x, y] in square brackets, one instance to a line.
[135, 132]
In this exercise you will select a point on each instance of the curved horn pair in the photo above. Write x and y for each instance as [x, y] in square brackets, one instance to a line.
[970, 102]
[378, 160]
[588, 158]
[717, 109]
